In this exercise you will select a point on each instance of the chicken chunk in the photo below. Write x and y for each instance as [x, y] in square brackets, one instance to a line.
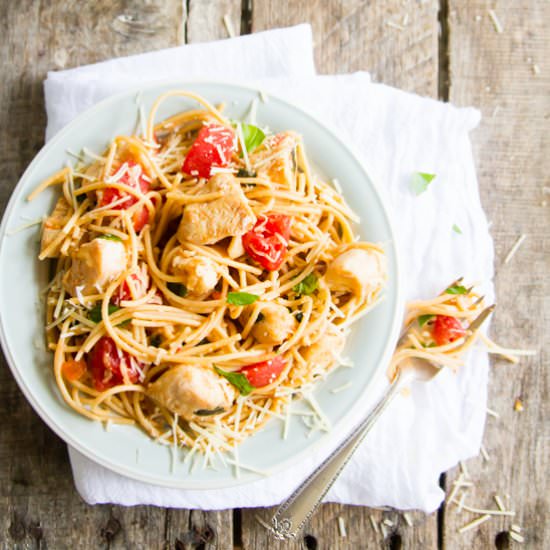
[280, 166]
[53, 224]
[276, 324]
[358, 271]
[199, 274]
[94, 266]
[323, 352]
[187, 389]
[228, 216]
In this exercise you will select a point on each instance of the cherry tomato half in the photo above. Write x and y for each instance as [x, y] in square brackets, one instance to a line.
[213, 147]
[110, 195]
[267, 241]
[446, 330]
[104, 362]
[264, 373]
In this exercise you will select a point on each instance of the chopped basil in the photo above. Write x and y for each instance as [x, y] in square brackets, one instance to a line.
[96, 317]
[156, 340]
[420, 182]
[177, 288]
[299, 316]
[209, 412]
[95, 312]
[430, 345]
[260, 317]
[306, 286]
[242, 173]
[457, 229]
[456, 289]
[423, 319]
[241, 298]
[238, 379]
[252, 135]
[109, 237]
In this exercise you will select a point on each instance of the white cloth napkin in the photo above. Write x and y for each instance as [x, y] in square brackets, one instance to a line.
[397, 134]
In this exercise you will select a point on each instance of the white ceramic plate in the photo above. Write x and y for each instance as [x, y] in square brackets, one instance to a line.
[22, 276]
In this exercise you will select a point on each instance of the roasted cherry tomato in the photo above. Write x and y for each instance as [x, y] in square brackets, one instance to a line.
[110, 195]
[264, 373]
[213, 147]
[104, 362]
[267, 241]
[446, 330]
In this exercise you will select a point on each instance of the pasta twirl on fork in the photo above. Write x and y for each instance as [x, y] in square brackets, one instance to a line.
[202, 273]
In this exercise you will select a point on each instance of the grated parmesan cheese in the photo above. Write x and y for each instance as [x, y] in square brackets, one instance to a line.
[228, 26]
[515, 248]
[474, 523]
[495, 20]
[342, 526]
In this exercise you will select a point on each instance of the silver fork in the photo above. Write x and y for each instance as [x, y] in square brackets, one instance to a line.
[293, 513]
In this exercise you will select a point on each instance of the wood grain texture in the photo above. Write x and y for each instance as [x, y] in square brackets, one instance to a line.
[496, 72]
[205, 21]
[396, 41]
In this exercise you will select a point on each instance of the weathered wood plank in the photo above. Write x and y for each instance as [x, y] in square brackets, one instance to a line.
[38, 504]
[205, 21]
[353, 36]
[396, 41]
[497, 72]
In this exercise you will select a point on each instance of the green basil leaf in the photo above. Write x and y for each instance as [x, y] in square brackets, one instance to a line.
[457, 229]
[109, 237]
[420, 182]
[252, 135]
[456, 289]
[241, 298]
[423, 319]
[209, 412]
[242, 173]
[177, 288]
[156, 340]
[238, 379]
[306, 286]
[95, 312]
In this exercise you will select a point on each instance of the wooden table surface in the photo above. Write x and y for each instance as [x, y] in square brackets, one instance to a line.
[449, 50]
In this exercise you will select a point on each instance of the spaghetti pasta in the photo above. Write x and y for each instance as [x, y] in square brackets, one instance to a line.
[205, 275]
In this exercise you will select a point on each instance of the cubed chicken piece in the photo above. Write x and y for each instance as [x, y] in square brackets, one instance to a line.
[276, 159]
[358, 271]
[192, 391]
[199, 274]
[94, 266]
[53, 224]
[228, 216]
[323, 353]
[276, 324]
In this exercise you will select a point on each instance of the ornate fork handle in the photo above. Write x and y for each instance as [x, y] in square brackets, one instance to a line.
[294, 512]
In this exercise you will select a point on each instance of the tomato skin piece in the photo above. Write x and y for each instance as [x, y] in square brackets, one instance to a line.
[447, 329]
[266, 242]
[104, 363]
[214, 146]
[264, 373]
[111, 194]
